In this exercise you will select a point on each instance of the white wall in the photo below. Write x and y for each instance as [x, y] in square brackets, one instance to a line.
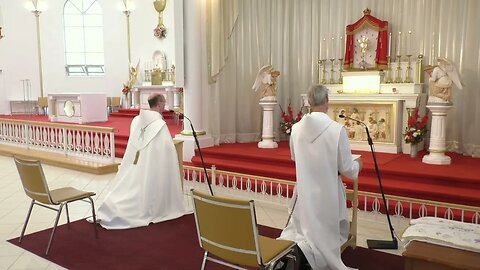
[18, 50]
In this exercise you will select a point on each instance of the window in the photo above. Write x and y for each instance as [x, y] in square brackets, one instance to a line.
[84, 52]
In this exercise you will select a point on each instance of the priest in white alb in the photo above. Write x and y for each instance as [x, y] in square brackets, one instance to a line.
[147, 187]
[321, 150]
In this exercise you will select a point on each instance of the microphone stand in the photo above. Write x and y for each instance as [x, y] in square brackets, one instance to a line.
[201, 156]
[378, 244]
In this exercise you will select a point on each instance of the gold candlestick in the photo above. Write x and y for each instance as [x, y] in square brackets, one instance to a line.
[321, 71]
[340, 71]
[387, 73]
[331, 71]
[420, 68]
[407, 71]
[398, 78]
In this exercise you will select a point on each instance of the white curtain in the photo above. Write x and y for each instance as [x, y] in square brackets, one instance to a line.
[287, 35]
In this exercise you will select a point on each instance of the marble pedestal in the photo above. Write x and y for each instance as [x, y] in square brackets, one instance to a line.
[437, 135]
[267, 130]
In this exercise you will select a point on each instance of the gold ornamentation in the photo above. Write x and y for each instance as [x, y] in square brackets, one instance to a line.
[160, 31]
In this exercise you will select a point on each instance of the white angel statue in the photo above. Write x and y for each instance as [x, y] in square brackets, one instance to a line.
[441, 79]
[266, 81]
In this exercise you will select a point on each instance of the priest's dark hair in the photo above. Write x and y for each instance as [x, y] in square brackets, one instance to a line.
[155, 99]
[317, 95]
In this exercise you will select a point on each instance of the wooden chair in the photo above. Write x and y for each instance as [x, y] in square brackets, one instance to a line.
[352, 196]
[36, 187]
[227, 228]
[115, 103]
[42, 104]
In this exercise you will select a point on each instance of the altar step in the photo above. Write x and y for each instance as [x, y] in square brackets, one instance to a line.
[401, 175]
[131, 113]
[59, 160]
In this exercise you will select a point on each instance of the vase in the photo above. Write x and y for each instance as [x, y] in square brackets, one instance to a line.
[413, 151]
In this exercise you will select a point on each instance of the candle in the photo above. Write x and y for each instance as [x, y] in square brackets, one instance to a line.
[409, 42]
[332, 56]
[390, 44]
[324, 48]
[399, 44]
[432, 51]
[340, 47]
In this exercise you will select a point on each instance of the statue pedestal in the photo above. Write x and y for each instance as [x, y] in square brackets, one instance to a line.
[437, 135]
[267, 130]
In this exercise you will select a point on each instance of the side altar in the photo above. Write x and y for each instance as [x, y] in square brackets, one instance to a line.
[77, 108]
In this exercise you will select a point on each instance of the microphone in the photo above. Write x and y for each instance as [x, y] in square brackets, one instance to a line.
[377, 244]
[200, 152]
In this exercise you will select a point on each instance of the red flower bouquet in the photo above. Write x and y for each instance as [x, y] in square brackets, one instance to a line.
[288, 119]
[416, 128]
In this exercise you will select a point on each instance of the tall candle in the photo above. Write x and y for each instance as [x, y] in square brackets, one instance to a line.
[390, 44]
[342, 47]
[332, 56]
[399, 44]
[324, 51]
[409, 43]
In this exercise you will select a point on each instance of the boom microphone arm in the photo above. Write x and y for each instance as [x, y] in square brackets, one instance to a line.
[377, 244]
[201, 156]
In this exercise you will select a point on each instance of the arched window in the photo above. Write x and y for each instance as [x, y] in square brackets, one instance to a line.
[84, 51]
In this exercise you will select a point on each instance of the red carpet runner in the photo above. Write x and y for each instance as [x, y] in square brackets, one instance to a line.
[167, 245]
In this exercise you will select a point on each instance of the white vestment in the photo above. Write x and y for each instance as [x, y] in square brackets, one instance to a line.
[319, 222]
[149, 191]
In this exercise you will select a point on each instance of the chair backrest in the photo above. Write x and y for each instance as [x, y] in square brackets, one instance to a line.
[42, 102]
[115, 101]
[33, 180]
[227, 228]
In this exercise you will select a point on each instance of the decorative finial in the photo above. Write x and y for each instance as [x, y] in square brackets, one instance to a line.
[366, 11]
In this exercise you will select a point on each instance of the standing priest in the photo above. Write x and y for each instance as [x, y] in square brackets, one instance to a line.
[319, 223]
[147, 187]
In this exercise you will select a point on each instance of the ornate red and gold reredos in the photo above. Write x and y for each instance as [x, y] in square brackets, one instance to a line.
[371, 34]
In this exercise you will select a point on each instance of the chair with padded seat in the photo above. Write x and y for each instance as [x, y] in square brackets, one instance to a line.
[227, 229]
[36, 187]
[42, 104]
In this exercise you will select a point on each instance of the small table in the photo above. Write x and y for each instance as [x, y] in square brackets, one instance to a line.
[425, 256]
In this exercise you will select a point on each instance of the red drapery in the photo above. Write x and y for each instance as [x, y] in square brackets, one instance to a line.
[382, 41]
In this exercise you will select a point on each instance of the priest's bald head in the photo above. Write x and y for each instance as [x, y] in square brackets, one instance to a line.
[157, 102]
[318, 98]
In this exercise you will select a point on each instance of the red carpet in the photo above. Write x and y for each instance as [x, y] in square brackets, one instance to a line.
[120, 121]
[167, 245]
[401, 175]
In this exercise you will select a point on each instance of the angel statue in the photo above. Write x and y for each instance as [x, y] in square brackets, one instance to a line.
[441, 78]
[266, 81]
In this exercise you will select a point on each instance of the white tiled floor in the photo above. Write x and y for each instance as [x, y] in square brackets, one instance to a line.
[14, 206]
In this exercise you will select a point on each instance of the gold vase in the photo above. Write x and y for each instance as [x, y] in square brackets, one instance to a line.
[160, 5]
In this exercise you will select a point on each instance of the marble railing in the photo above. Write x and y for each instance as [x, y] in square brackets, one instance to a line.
[88, 143]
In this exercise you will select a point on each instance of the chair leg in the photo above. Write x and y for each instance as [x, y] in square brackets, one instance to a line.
[26, 220]
[205, 255]
[54, 227]
[68, 215]
[94, 217]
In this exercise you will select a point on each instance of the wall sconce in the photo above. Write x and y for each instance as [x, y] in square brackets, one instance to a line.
[36, 7]
[160, 31]
[127, 8]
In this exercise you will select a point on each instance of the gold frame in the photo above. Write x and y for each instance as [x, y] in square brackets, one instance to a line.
[380, 117]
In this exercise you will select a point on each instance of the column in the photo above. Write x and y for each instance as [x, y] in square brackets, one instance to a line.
[195, 67]
[437, 147]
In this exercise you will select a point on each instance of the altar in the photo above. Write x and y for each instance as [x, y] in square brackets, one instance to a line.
[375, 83]
[77, 108]
[172, 96]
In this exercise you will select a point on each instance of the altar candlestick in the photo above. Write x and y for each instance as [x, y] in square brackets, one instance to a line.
[409, 43]
[324, 48]
[399, 49]
[390, 44]
[340, 47]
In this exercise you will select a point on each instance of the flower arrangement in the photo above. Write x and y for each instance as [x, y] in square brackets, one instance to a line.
[125, 89]
[288, 119]
[160, 31]
[416, 128]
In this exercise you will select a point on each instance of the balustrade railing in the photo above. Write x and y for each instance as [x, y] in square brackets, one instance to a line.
[279, 192]
[89, 143]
